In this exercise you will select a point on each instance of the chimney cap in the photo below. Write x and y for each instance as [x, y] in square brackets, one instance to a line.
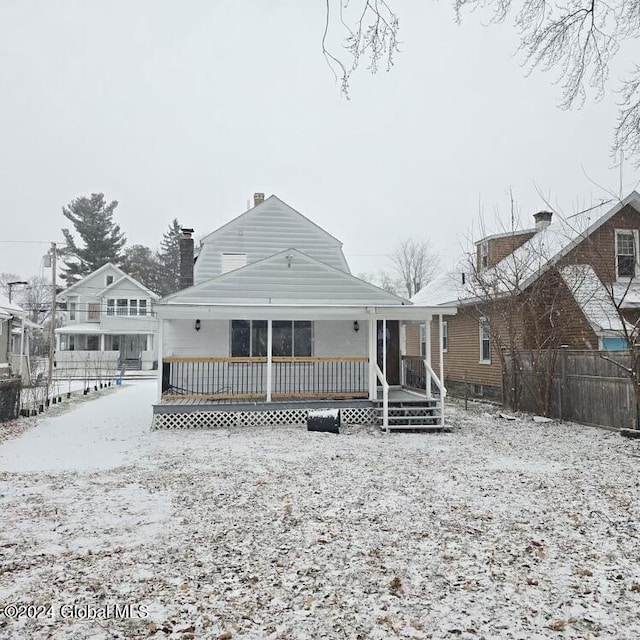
[258, 198]
[186, 231]
[543, 216]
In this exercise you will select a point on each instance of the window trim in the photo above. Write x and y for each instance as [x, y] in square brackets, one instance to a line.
[73, 310]
[634, 234]
[445, 337]
[93, 312]
[484, 325]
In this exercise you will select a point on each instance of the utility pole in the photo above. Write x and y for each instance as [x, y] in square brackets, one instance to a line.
[52, 329]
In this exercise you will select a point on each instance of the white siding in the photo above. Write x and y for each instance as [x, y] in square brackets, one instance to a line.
[269, 228]
[337, 338]
[181, 339]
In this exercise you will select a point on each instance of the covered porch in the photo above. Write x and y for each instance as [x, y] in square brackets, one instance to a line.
[343, 356]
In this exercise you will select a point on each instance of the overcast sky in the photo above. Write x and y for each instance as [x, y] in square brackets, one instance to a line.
[184, 109]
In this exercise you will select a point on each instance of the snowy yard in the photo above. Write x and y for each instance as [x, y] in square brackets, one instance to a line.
[497, 530]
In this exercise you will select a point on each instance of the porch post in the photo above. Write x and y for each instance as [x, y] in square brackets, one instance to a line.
[269, 357]
[102, 342]
[441, 363]
[384, 349]
[427, 355]
[22, 356]
[160, 354]
[373, 384]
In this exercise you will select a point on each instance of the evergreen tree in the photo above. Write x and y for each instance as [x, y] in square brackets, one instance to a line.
[140, 263]
[169, 259]
[103, 240]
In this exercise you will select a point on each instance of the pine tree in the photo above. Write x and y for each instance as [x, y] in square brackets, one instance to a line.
[169, 259]
[140, 263]
[103, 240]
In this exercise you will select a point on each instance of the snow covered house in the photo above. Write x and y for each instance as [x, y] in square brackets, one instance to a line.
[568, 277]
[15, 336]
[274, 324]
[109, 321]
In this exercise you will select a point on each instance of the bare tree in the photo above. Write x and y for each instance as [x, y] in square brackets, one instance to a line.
[576, 39]
[415, 264]
[381, 279]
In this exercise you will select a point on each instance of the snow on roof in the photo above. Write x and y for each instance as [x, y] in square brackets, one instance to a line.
[592, 297]
[9, 308]
[445, 289]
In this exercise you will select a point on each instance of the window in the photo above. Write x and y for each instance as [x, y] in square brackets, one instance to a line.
[249, 338]
[423, 340]
[484, 255]
[626, 243]
[445, 336]
[123, 310]
[232, 261]
[485, 341]
[94, 312]
[133, 307]
[109, 280]
[613, 344]
[93, 343]
[72, 311]
[111, 307]
[142, 308]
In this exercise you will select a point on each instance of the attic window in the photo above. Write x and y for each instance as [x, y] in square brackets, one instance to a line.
[626, 250]
[233, 261]
[109, 280]
[484, 255]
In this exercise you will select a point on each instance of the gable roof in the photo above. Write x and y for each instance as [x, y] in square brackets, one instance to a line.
[9, 309]
[134, 282]
[266, 229]
[288, 277]
[98, 271]
[522, 267]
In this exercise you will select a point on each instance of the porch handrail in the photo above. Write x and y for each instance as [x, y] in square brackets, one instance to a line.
[441, 388]
[385, 398]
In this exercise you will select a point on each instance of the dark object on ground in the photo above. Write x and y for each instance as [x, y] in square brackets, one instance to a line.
[327, 421]
[630, 433]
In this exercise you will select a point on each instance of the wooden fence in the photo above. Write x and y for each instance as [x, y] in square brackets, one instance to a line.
[587, 387]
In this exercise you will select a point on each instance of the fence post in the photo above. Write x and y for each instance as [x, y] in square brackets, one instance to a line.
[466, 394]
[563, 380]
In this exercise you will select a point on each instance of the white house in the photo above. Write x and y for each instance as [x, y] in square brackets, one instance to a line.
[275, 324]
[15, 334]
[109, 320]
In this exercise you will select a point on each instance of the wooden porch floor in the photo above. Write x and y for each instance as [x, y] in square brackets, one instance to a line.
[396, 394]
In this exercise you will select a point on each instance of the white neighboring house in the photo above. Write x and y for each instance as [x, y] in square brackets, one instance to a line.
[109, 321]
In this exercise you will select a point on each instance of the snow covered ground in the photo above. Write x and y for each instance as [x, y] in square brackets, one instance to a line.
[497, 530]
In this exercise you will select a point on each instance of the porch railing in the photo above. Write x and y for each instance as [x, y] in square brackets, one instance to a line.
[236, 379]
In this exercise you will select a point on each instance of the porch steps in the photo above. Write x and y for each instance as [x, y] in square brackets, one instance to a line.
[415, 414]
[131, 365]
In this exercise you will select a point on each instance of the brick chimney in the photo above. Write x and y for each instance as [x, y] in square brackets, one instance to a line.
[543, 219]
[258, 198]
[186, 258]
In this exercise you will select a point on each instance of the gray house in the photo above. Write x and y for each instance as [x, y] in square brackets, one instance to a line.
[274, 324]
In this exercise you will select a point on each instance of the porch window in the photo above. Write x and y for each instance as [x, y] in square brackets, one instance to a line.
[93, 314]
[485, 341]
[111, 307]
[133, 307]
[423, 340]
[290, 338]
[93, 343]
[122, 307]
[445, 336]
[142, 308]
[626, 243]
[112, 343]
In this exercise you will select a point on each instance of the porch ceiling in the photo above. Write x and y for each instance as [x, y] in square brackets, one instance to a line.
[298, 312]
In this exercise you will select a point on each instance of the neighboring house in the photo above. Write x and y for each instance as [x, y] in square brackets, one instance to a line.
[109, 321]
[15, 336]
[274, 324]
[562, 282]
